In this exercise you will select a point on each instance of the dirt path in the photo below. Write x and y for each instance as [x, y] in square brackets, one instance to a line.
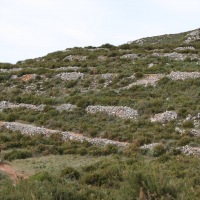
[15, 176]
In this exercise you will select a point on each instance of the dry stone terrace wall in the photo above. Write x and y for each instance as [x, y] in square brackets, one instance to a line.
[74, 68]
[130, 56]
[150, 146]
[187, 150]
[119, 111]
[33, 130]
[75, 57]
[10, 70]
[176, 56]
[62, 107]
[183, 75]
[6, 104]
[70, 76]
[185, 48]
[66, 107]
[164, 117]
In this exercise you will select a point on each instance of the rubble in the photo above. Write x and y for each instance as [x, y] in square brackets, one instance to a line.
[119, 111]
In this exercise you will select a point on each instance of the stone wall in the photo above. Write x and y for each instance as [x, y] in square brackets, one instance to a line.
[70, 76]
[65, 107]
[119, 111]
[183, 75]
[164, 117]
[75, 57]
[34, 130]
[7, 104]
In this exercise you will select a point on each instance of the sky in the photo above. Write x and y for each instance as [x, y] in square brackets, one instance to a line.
[34, 28]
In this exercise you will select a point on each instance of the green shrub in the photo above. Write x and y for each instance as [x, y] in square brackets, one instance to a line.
[41, 176]
[158, 150]
[70, 173]
[17, 154]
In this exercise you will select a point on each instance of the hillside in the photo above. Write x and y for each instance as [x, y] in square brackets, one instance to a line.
[129, 115]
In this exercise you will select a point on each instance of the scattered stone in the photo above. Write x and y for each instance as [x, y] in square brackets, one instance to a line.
[65, 76]
[164, 117]
[150, 65]
[183, 75]
[119, 111]
[179, 130]
[195, 132]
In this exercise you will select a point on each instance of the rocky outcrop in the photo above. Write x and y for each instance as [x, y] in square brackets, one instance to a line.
[70, 76]
[164, 117]
[183, 75]
[7, 104]
[119, 111]
[187, 150]
[65, 107]
[34, 130]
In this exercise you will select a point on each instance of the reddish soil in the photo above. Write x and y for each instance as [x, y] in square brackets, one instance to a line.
[27, 77]
[15, 176]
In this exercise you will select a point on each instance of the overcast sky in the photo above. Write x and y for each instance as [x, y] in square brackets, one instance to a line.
[33, 28]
